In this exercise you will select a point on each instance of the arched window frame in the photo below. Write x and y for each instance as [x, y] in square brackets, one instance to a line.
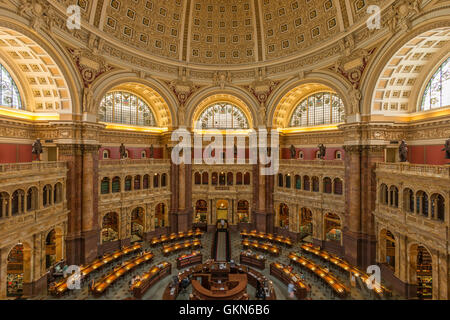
[9, 92]
[126, 108]
[317, 112]
[437, 91]
[213, 117]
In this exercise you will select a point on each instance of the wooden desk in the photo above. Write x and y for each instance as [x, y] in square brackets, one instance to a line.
[345, 266]
[233, 289]
[339, 288]
[61, 287]
[189, 244]
[151, 277]
[268, 237]
[253, 277]
[114, 275]
[253, 260]
[285, 275]
[265, 247]
[175, 237]
[186, 260]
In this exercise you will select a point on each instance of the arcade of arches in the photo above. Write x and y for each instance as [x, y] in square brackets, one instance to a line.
[311, 71]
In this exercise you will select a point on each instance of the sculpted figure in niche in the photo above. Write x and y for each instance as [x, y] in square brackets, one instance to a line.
[355, 98]
[87, 99]
[322, 151]
[447, 149]
[403, 151]
[37, 148]
[122, 151]
[293, 151]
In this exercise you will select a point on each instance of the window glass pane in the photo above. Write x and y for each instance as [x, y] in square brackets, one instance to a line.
[223, 116]
[437, 92]
[126, 108]
[318, 109]
[9, 94]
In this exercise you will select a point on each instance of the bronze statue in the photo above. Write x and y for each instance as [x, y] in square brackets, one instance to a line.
[403, 151]
[151, 151]
[37, 148]
[122, 151]
[447, 149]
[322, 151]
[293, 151]
[235, 151]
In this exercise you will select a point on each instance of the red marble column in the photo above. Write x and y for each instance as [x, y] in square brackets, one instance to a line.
[82, 198]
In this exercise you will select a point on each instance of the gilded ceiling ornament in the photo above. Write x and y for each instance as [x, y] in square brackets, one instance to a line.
[403, 11]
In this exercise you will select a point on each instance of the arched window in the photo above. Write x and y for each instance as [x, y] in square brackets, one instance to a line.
[239, 178]
[4, 204]
[408, 200]
[145, 180]
[105, 154]
[338, 155]
[315, 184]
[137, 182]
[127, 108]
[422, 203]
[9, 94]
[318, 109]
[222, 178]
[306, 183]
[116, 184]
[280, 180]
[127, 183]
[156, 180]
[230, 178]
[223, 116]
[301, 155]
[214, 179]
[437, 92]
[327, 185]
[384, 194]
[337, 186]
[32, 199]
[288, 181]
[104, 186]
[298, 182]
[437, 207]
[17, 203]
[197, 178]
[393, 199]
[47, 195]
[57, 194]
[163, 180]
[143, 154]
[205, 178]
[247, 178]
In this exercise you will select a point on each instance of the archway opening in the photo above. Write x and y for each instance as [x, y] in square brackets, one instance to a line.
[243, 211]
[388, 249]
[160, 214]
[305, 223]
[50, 249]
[421, 269]
[222, 210]
[332, 224]
[110, 227]
[17, 270]
[137, 225]
[201, 210]
[284, 216]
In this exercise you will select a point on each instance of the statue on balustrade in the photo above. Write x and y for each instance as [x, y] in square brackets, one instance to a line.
[322, 151]
[403, 151]
[122, 151]
[151, 151]
[37, 148]
[293, 151]
[235, 151]
[447, 149]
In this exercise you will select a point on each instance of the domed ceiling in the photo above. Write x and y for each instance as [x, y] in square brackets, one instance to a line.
[225, 32]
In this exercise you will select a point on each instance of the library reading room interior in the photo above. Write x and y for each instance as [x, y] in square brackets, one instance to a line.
[225, 150]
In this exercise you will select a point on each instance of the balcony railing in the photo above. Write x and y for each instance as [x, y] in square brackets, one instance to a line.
[128, 162]
[415, 169]
[32, 166]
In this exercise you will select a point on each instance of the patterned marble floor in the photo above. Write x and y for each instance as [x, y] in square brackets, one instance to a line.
[121, 291]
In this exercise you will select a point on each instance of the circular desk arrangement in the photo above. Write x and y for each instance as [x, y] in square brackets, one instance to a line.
[219, 281]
